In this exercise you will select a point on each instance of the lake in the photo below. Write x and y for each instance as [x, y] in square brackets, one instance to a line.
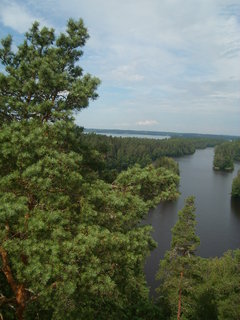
[217, 215]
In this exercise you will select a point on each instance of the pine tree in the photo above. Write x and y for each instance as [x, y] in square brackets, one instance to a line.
[40, 177]
[184, 240]
[71, 245]
[42, 80]
[178, 270]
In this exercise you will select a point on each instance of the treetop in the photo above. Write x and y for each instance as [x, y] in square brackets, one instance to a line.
[43, 79]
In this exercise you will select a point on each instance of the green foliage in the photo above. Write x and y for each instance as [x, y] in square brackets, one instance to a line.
[184, 240]
[225, 154]
[179, 268]
[122, 153]
[69, 237]
[236, 186]
[167, 163]
[41, 79]
[150, 184]
[236, 149]
[71, 245]
[217, 296]
[223, 157]
[209, 287]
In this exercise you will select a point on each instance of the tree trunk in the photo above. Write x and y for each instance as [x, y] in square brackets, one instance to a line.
[18, 290]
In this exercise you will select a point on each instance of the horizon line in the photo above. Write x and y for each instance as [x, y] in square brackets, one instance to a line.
[154, 132]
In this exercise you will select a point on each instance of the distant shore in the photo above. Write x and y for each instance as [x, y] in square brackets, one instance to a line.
[120, 132]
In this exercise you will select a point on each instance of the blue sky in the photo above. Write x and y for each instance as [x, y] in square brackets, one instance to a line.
[167, 65]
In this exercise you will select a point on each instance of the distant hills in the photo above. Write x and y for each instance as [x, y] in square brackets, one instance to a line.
[160, 133]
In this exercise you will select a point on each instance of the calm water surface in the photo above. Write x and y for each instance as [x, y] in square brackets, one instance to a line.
[218, 217]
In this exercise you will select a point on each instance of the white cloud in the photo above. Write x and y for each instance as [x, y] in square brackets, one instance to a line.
[156, 59]
[17, 17]
[125, 73]
[146, 122]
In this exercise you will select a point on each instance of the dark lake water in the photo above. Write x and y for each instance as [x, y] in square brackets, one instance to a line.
[217, 215]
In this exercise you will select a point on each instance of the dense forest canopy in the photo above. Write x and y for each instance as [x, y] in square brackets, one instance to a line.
[72, 245]
[120, 153]
[225, 154]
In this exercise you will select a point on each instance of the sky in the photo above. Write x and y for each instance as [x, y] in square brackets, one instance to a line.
[164, 65]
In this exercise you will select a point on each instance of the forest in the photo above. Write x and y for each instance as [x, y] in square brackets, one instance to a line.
[120, 153]
[225, 154]
[72, 245]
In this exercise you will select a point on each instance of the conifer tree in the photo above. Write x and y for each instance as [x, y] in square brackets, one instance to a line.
[71, 245]
[42, 80]
[178, 271]
[40, 176]
[184, 240]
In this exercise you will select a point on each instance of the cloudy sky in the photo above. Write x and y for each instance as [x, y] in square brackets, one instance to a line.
[167, 65]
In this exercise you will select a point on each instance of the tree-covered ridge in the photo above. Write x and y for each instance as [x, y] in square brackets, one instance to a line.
[120, 153]
[225, 154]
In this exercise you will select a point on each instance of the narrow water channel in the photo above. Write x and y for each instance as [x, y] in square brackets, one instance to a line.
[217, 215]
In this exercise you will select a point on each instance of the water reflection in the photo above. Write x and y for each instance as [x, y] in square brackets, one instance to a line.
[235, 207]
